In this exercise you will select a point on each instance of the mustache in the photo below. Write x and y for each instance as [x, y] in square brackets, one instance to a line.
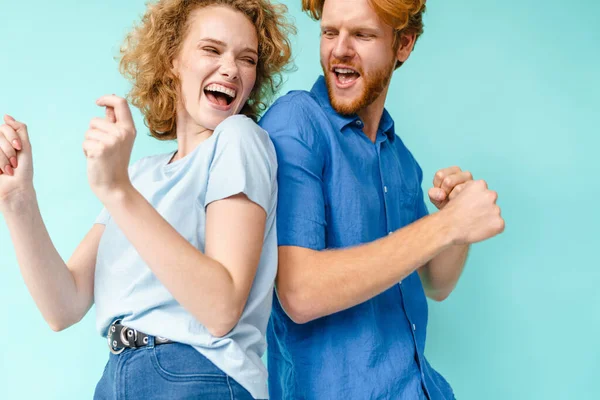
[334, 61]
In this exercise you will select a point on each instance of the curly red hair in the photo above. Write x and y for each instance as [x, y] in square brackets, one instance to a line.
[150, 48]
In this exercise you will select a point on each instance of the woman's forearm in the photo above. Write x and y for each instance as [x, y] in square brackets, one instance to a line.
[46, 275]
[199, 283]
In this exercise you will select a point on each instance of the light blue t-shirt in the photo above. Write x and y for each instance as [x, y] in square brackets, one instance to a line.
[238, 158]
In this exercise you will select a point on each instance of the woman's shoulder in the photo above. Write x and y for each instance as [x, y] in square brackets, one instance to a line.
[243, 130]
[239, 124]
[149, 162]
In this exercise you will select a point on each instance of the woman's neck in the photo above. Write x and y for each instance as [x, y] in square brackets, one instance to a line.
[189, 136]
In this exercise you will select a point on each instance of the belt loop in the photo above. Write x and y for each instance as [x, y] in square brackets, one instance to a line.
[150, 341]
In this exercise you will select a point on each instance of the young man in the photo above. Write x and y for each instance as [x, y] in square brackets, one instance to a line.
[358, 252]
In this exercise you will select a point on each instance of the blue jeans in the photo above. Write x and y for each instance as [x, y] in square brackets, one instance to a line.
[168, 371]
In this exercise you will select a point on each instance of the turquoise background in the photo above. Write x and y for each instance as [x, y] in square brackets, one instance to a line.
[507, 90]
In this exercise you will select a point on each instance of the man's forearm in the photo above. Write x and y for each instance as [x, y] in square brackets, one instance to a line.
[312, 284]
[441, 273]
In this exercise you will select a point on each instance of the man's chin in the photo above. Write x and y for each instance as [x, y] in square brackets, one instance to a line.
[345, 107]
[345, 101]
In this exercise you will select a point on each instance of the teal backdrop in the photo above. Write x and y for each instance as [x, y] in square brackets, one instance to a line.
[507, 90]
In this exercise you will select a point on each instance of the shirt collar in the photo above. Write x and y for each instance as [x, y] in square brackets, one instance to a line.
[319, 91]
[386, 125]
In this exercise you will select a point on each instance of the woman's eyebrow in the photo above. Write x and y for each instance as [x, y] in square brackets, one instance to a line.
[221, 43]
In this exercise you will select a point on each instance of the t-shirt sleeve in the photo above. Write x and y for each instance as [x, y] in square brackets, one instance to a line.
[243, 161]
[103, 218]
[301, 159]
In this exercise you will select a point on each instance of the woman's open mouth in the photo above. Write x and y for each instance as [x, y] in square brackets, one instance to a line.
[220, 96]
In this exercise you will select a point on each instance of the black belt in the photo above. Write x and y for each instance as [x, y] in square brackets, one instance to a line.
[121, 337]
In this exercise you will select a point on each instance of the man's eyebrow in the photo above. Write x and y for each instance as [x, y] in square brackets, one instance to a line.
[353, 28]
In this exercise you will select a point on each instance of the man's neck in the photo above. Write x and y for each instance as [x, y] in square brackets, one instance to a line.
[371, 116]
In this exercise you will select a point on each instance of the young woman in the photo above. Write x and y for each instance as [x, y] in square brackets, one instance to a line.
[181, 261]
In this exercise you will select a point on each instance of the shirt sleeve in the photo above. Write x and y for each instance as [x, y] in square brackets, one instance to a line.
[301, 159]
[421, 208]
[244, 161]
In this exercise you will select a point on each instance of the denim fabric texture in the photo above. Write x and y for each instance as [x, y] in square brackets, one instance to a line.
[168, 371]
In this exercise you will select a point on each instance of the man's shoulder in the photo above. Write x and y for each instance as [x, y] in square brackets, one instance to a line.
[303, 97]
[294, 105]
[296, 114]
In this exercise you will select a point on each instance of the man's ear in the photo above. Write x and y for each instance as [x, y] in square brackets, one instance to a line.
[405, 47]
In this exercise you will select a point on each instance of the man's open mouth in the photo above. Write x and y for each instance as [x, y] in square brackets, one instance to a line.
[346, 76]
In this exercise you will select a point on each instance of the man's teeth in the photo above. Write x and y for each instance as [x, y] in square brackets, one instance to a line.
[222, 89]
[345, 71]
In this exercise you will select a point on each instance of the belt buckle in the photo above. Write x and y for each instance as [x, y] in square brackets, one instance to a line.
[112, 344]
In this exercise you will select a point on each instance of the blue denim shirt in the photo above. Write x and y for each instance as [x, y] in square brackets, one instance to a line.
[338, 189]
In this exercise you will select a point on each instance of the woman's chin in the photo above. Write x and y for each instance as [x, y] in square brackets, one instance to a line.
[211, 120]
[209, 116]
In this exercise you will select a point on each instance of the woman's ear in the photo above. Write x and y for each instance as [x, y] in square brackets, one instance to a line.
[175, 67]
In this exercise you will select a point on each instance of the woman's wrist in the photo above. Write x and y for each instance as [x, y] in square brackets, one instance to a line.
[115, 195]
[17, 199]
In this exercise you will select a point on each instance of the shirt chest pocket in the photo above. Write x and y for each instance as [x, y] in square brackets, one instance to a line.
[401, 189]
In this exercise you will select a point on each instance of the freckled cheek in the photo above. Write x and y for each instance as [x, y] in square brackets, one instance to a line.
[249, 80]
[191, 85]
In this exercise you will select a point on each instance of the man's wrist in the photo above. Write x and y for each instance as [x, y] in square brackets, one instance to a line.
[445, 228]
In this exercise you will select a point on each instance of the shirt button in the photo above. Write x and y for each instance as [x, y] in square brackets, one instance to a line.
[385, 189]
[359, 122]
[390, 232]
[414, 327]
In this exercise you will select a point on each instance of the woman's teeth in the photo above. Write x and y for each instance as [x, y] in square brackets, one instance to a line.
[214, 87]
[220, 94]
